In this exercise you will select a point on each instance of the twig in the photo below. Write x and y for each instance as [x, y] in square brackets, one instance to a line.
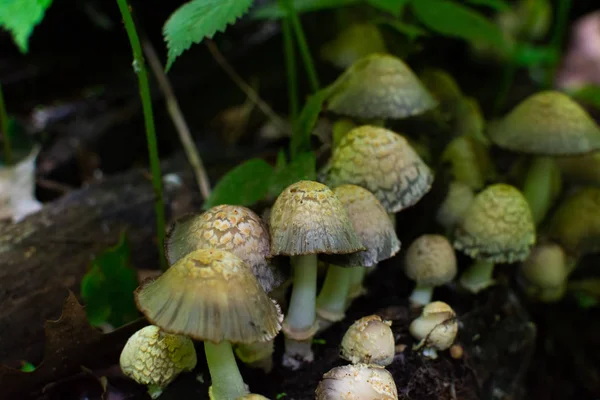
[181, 126]
[247, 89]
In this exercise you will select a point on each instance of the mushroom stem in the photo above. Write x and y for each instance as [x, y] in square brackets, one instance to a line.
[541, 186]
[301, 311]
[356, 289]
[478, 276]
[331, 302]
[226, 381]
[421, 295]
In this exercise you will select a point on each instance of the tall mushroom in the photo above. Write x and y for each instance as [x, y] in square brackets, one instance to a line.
[547, 125]
[375, 231]
[211, 295]
[307, 219]
[497, 228]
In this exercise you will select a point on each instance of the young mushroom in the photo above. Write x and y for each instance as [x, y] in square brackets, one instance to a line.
[375, 231]
[435, 328]
[253, 396]
[307, 219]
[455, 205]
[543, 275]
[369, 340]
[360, 381]
[155, 358]
[353, 43]
[547, 124]
[212, 295]
[497, 228]
[430, 261]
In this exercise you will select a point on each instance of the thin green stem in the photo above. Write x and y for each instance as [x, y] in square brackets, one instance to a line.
[140, 69]
[290, 66]
[226, 381]
[539, 188]
[331, 302]
[558, 36]
[7, 148]
[301, 310]
[309, 65]
[479, 276]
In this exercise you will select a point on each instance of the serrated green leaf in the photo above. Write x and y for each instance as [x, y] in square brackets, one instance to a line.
[19, 17]
[107, 288]
[498, 5]
[302, 168]
[307, 120]
[199, 19]
[393, 7]
[455, 20]
[244, 185]
[275, 11]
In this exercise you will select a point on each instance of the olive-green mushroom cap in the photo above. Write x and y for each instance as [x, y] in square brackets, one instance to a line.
[544, 273]
[576, 222]
[372, 225]
[210, 295]
[430, 260]
[469, 161]
[154, 357]
[498, 226]
[379, 86]
[307, 218]
[547, 123]
[232, 228]
[382, 162]
[352, 43]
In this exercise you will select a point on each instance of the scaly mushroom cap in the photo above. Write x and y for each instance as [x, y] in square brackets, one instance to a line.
[235, 229]
[547, 123]
[430, 260]
[211, 295]
[372, 225]
[437, 326]
[544, 272]
[497, 227]
[382, 162]
[307, 218]
[379, 86]
[353, 43]
[369, 340]
[154, 357]
[582, 169]
[576, 222]
[360, 381]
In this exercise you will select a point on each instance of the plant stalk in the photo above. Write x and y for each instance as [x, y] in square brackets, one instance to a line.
[7, 148]
[290, 66]
[301, 310]
[140, 70]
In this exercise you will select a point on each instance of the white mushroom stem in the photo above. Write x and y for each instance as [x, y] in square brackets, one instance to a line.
[226, 381]
[421, 295]
[478, 276]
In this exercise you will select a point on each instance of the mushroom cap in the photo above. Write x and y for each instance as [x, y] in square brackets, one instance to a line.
[369, 340]
[379, 86]
[470, 161]
[253, 396]
[360, 381]
[352, 43]
[547, 123]
[372, 225]
[210, 295]
[545, 272]
[455, 204]
[437, 326]
[235, 229]
[382, 162]
[576, 222]
[498, 226]
[307, 218]
[430, 260]
[154, 357]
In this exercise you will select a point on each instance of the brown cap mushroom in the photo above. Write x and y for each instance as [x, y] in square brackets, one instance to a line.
[436, 328]
[382, 162]
[360, 381]
[369, 340]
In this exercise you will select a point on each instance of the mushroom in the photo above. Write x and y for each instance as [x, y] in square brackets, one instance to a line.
[543, 275]
[307, 219]
[236, 229]
[444, 89]
[379, 86]
[430, 261]
[369, 340]
[547, 124]
[211, 295]
[155, 358]
[575, 224]
[360, 381]
[375, 231]
[455, 205]
[497, 228]
[352, 43]
[470, 162]
[435, 328]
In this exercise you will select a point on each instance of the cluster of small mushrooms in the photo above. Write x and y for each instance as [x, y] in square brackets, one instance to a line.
[224, 262]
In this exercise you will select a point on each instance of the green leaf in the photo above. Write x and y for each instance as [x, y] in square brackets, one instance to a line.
[527, 55]
[410, 30]
[307, 120]
[274, 11]
[452, 19]
[393, 7]
[107, 288]
[498, 5]
[244, 185]
[19, 17]
[198, 19]
[302, 168]
[27, 366]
